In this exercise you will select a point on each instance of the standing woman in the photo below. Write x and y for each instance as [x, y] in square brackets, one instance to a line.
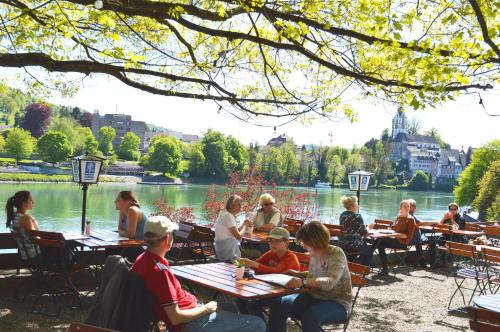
[131, 219]
[328, 286]
[18, 220]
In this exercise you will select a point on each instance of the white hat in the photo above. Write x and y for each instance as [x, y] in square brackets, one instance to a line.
[159, 226]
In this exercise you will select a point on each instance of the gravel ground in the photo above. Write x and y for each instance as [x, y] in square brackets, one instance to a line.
[408, 302]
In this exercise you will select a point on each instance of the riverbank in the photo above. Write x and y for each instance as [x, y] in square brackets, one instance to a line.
[56, 178]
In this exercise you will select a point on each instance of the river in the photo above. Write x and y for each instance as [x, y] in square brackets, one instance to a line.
[58, 205]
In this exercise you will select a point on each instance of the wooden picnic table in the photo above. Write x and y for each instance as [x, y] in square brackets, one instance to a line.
[256, 237]
[429, 228]
[220, 278]
[259, 237]
[385, 234]
[489, 302]
[106, 239]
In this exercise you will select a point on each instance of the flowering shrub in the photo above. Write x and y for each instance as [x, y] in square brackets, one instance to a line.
[250, 186]
[162, 208]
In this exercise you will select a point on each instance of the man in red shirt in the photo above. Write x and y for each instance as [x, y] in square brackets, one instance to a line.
[277, 260]
[180, 310]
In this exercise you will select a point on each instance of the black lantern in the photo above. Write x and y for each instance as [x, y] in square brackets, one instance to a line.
[85, 170]
[358, 181]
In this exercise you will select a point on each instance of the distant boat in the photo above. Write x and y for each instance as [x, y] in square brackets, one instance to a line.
[322, 185]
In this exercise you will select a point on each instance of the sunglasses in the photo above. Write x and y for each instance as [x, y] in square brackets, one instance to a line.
[267, 204]
[453, 209]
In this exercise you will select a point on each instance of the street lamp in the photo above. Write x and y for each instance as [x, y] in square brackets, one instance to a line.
[85, 170]
[358, 181]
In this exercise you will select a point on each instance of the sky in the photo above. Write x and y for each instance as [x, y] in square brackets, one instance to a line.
[462, 122]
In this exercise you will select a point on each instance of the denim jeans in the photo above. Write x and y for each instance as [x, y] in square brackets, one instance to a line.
[313, 313]
[255, 307]
[222, 321]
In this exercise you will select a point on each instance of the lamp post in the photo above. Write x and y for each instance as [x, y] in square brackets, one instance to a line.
[358, 181]
[85, 170]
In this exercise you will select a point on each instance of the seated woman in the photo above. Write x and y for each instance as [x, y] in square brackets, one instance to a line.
[405, 223]
[456, 221]
[227, 235]
[21, 222]
[130, 218]
[131, 222]
[354, 230]
[277, 260]
[452, 217]
[268, 216]
[328, 285]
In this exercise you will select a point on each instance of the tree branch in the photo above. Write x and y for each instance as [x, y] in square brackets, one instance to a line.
[484, 27]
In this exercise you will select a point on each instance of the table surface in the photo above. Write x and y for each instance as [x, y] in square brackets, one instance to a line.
[259, 237]
[452, 231]
[103, 239]
[490, 302]
[384, 234]
[220, 277]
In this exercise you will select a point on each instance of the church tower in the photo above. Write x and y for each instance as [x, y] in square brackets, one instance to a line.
[399, 123]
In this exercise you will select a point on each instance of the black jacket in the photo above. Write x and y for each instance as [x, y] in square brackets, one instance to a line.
[123, 303]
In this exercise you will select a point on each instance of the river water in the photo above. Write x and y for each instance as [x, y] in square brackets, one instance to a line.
[58, 206]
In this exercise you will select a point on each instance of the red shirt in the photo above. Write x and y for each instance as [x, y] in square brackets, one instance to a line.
[270, 263]
[164, 286]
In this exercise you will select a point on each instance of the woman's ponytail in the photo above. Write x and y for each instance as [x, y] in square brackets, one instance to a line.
[17, 202]
[9, 209]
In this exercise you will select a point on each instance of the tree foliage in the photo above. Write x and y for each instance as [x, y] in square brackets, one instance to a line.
[489, 190]
[86, 119]
[129, 147]
[196, 159]
[2, 143]
[37, 119]
[91, 146]
[247, 54]
[19, 143]
[434, 133]
[165, 156]
[106, 136]
[468, 182]
[73, 131]
[12, 104]
[419, 181]
[54, 147]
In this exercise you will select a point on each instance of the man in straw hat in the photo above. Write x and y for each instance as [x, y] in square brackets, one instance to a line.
[180, 310]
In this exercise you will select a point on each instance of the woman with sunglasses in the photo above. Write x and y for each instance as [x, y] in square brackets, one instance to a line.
[268, 216]
[453, 218]
[456, 221]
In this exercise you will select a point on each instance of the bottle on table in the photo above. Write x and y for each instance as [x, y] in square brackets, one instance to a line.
[87, 227]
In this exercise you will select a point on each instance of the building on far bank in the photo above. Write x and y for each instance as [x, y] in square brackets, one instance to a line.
[278, 141]
[122, 124]
[423, 152]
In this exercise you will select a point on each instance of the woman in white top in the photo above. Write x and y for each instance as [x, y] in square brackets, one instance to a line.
[227, 234]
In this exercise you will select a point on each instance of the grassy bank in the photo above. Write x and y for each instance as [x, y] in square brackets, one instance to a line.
[26, 177]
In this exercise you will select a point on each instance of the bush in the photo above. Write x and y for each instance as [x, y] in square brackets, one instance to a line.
[419, 181]
[493, 212]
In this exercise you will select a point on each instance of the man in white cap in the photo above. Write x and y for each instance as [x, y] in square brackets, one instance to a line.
[178, 309]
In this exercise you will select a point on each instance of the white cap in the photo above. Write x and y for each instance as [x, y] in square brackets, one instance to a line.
[160, 226]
